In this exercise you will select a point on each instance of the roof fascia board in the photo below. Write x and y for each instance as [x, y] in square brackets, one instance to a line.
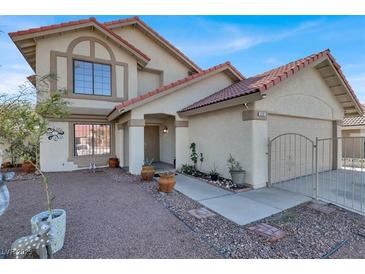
[51, 31]
[92, 24]
[357, 107]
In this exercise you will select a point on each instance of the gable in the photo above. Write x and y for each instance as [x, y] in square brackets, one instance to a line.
[161, 59]
[174, 101]
[263, 84]
[26, 40]
[304, 94]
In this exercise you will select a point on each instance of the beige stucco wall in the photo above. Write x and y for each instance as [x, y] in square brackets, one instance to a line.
[160, 58]
[181, 98]
[170, 104]
[167, 141]
[303, 94]
[301, 104]
[148, 81]
[219, 133]
[310, 128]
[54, 154]
[119, 141]
[60, 44]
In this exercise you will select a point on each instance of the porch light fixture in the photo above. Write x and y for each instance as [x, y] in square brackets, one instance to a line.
[165, 129]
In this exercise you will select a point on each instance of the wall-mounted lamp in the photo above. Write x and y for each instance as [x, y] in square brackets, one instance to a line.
[165, 129]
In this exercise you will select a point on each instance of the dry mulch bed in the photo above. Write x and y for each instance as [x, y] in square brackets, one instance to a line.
[309, 232]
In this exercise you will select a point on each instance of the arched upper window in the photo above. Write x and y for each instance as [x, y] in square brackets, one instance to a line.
[89, 70]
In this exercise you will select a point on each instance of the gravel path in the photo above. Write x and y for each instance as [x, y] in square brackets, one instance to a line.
[310, 233]
[108, 216]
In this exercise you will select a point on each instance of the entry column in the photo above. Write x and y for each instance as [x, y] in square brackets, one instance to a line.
[181, 143]
[136, 145]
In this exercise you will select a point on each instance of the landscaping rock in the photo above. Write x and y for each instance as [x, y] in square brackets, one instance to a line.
[309, 233]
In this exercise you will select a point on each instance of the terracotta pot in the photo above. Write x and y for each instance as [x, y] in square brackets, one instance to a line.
[167, 182]
[28, 167]
[147, 173]
[113, 162]
[6, 164]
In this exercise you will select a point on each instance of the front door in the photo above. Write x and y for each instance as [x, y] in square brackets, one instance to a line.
[152, 143]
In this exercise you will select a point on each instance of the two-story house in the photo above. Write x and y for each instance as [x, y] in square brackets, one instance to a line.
[134, 95]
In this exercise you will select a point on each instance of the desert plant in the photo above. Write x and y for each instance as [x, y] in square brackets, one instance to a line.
[233, 165]
[188, 169]
[193, 155]
[201, 160]
[213, 171]
[23, 124]
[148, 162]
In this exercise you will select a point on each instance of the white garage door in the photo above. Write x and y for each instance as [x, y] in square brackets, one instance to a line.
[310, 128]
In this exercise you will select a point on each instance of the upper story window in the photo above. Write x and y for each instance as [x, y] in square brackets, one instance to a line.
[92, 78]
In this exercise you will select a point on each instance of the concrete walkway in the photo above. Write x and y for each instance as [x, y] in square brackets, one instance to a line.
[241, 208]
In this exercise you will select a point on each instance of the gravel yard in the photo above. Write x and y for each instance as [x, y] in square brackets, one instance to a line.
[111, 214]
[106, 218]
[310, 233]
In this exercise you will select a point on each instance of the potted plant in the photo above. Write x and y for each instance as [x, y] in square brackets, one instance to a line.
[6, 165]
[23, 127]
[214, 175]
[28, 166]
[147, 171]
[167, 182]
[236, 171]
[113, 162]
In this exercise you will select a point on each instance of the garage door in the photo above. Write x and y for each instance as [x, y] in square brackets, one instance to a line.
[310, 128]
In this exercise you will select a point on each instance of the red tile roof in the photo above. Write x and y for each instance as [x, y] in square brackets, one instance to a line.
[354, 121]
[136, 19]
[80, 22]
[266, 80]
[185, 80]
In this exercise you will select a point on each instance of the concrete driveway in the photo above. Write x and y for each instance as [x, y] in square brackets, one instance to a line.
[108, 216]
[241, 208]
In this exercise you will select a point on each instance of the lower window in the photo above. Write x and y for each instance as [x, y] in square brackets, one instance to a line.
[92, 139]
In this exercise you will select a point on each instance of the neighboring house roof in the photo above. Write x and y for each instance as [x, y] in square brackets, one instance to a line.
[354, 121]
[23, 38]
[141, 99]
[156, 36]
[264, 81]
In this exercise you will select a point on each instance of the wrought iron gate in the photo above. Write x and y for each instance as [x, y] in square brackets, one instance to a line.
[329, 169]
[292, 163]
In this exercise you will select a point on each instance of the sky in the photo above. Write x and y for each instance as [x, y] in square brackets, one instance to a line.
[253, 44]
